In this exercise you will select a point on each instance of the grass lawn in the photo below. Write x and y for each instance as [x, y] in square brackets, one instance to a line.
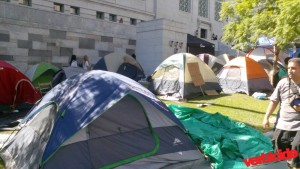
[1, 164]
[239, 107]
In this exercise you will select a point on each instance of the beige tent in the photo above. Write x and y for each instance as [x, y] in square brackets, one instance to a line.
[183, 75]
[212, 61]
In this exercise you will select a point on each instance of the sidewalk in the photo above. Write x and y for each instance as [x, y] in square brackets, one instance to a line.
[278, 165]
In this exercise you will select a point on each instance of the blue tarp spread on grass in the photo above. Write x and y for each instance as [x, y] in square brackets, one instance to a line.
[225, 141]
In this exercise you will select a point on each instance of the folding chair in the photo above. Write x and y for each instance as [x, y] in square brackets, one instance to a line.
[44, 87]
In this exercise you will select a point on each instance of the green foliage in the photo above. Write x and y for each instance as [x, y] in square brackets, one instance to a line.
[250, 19]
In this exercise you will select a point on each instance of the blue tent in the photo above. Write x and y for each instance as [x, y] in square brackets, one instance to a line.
[294, 53]
[101, 120]
[122, 64]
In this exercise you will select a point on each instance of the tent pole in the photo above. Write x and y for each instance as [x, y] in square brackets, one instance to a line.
[202, 90]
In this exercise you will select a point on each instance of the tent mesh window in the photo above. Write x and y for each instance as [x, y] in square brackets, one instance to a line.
[169, 83]
[233, 79]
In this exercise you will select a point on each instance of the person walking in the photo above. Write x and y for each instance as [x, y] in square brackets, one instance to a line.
[282, 73]
[73, 61]
[86, 63]
[287, 131]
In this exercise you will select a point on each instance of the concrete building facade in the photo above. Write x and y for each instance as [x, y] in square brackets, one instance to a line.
[33, 31]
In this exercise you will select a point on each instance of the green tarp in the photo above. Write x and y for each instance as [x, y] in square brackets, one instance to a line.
[223, 140]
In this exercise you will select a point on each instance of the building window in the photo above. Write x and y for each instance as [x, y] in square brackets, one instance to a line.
[100, 15]
[218, 6]
[203, 8]
[132, 21]
[74, 10]
[58, 7]
[203, 33]
[25, 2]
[185, 5]
[112, 17]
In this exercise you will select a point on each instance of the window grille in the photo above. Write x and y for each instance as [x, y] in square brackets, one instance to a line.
[185, 5]
[218, 6]
[203, 8]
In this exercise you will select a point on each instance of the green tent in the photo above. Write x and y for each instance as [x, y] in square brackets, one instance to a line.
[41, 73]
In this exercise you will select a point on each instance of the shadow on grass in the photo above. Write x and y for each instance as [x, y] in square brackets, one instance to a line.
[239, 108]
[206, 97]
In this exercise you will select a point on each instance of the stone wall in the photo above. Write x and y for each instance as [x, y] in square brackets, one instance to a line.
[153, 42]
[29, 36]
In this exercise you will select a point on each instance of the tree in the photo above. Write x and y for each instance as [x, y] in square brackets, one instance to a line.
[250, 19]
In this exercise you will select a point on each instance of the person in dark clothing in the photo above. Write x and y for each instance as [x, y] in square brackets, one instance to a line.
[73, 61]
[134, 56]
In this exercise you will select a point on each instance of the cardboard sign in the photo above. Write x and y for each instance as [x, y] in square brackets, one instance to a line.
[195, 74]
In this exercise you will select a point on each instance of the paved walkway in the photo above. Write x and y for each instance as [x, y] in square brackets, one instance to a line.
[278, 165]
